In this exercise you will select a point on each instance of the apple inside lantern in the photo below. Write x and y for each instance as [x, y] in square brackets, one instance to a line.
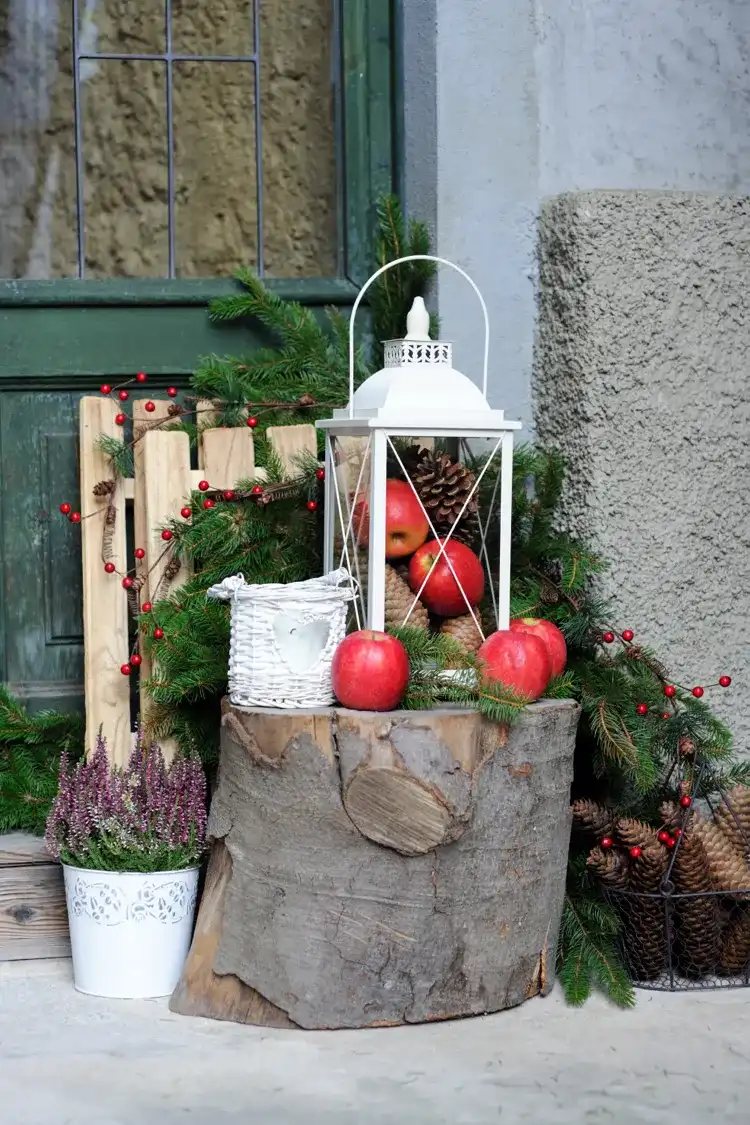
[406, 525]
[516, 659]
[370, 671]
[442, 592]
[550, 636]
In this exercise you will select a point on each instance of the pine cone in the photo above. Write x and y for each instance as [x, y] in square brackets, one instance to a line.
[728, 869]
[686, 746]
[590, 817]
[644, 938]
[735, 950]
[671, 814]
[610, 866]
[103, 488]
[464, 632]
[398, 601]
[733, 818]
[444, 485]
[647, 870]
[697, 919]
[635, 833]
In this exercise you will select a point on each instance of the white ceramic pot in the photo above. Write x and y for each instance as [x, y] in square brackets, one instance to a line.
[129, 933]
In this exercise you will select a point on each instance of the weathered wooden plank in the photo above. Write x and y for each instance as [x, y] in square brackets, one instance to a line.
[105, 609]
[167, 482]
[141, 419]
[227, 456]
[33, 916]
[21, 849]
[289, 442]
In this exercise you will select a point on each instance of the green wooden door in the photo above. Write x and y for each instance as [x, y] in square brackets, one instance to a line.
[62, 336]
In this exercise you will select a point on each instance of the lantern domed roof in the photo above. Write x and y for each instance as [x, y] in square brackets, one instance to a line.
[418, 376]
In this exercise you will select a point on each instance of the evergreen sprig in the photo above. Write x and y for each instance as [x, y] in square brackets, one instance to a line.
[30, 751]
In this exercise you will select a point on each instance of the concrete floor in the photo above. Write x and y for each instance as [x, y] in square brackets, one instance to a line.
[67, 1059]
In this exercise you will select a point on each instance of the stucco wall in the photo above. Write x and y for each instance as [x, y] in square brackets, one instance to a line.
[539, 97]
[641, 379]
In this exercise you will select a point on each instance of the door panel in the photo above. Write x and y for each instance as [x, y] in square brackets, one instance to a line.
[41, 562]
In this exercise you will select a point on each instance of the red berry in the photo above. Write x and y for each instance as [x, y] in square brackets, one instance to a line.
[105, 389]
[636, 852]
[724, 681]
[167, 535]
[256, 490]
[670, 843]
[670, 690]
[663, 836]
[608, 638]
[75, 517]
[121, 419]
[686, 802]
[677, 832]
[642, 709]
[209, 503]
[110, 567]
[320, 474]
[140, 553]
[697, 692]
[252, 422]
[228, 494]
[141, 377]
[150, 407]
[203, 485]
[312, 505]
[127, 583]
[123, 396]
[125, 669]
[136, 659]
[186, 512]
[627, 634]
[158, 634]
[65, 509]
[606, 842]
[172, 392]
[146, 607]
[666, 715]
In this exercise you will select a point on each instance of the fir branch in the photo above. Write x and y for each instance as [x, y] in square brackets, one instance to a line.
[118, 452]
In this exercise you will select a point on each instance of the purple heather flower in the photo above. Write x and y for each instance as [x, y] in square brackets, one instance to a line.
[103, 815]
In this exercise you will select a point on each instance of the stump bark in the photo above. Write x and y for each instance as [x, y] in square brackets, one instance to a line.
[377, 869]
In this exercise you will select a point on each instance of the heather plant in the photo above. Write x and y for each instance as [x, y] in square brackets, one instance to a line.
[146, 817]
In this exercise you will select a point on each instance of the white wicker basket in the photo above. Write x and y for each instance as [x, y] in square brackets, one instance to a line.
[283, 639]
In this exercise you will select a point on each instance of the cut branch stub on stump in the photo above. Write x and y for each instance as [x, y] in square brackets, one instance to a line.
[382, 869]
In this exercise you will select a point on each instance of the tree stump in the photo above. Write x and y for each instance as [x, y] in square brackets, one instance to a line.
[377, 869]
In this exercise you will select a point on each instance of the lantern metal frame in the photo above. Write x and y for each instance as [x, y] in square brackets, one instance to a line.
[379, 427]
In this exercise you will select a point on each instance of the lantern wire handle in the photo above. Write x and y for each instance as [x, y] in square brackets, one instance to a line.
[399, 262]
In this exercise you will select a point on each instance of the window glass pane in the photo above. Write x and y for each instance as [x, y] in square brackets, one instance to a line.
[123, 110]
[213, 27]
[299, 148]
[216, 228]
[37, 141]
[121, 27]
[124, 129]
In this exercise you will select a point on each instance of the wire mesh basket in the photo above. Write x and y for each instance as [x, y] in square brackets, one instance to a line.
[677, 942]
[679, 882]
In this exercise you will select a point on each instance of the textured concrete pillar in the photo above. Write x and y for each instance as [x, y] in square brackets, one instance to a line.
[641, 378]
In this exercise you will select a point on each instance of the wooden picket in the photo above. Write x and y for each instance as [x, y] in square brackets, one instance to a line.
[162, 484]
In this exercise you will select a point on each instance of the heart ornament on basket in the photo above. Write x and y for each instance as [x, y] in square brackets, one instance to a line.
[300, 644]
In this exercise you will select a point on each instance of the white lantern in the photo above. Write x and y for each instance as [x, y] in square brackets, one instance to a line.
[418, 395]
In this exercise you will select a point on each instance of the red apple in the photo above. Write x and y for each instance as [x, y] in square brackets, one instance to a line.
[549, 635]
[442, 594]
[518, 660]
[370, 671]
[406, 525]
